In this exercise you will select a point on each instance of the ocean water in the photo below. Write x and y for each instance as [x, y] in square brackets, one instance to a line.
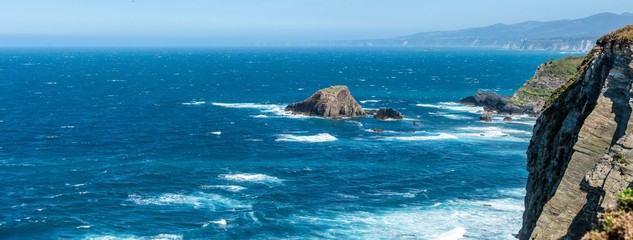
[194, 144]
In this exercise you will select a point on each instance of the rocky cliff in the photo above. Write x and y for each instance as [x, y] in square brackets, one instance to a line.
[578, 158]
[531, 97]
[332, 102]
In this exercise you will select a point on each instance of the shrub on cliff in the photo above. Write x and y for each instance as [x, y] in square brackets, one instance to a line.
[625, 200]
[616, 224]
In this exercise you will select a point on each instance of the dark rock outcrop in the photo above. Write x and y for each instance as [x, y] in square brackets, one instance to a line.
[507, 119]
[486, 117]
[578, 155]
[386, 114]
[493, 102]
[332, 102]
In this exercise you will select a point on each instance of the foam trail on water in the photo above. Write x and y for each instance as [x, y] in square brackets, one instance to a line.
[162, 236]
[248, 177]
[231, 188]
[370, 101]
[274, 109]
[321, 137]
[200, 200]
[441, 136]
[453, 106]
[194, 103]
[494, 132]
[245, 105]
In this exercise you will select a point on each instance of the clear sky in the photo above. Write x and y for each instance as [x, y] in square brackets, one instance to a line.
[246, 21]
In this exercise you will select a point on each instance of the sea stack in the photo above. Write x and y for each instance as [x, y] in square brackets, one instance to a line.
[331, 102]
[578, 155]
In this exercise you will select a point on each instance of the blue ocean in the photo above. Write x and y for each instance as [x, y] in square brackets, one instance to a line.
[194, 143]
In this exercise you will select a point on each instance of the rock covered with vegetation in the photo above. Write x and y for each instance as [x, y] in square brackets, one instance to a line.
[578, 158]
[331, 102]
[547, 78]
[533, 95]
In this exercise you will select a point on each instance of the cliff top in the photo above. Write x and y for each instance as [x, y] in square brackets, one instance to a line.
[565, 67]
[622, 34]
[548, 77]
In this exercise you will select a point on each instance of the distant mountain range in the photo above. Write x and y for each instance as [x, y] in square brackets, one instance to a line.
[577, 35]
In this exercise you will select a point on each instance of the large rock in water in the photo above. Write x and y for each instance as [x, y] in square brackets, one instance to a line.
[332, 102]
[578, 155]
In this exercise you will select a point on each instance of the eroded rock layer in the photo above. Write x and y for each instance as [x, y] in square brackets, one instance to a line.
[578, 155]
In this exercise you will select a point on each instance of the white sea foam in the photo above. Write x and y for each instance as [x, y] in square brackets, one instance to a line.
[199, 200]
[473, 219]
[370, 101]
[248, 177]
[259, 116]
[220, 223]
[231, 188]
[194, 103]
[321, 137]
[162, 236]
[451, 116]
[441, 136]
[266, 109]
[216, 133]
[453, 234]
[453, 106]
[244, 105]
[492, 132]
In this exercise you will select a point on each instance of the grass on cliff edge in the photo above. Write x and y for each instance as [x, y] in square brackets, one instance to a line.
[564, 69]
[623, 34]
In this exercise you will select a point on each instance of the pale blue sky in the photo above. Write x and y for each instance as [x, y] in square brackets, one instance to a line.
[221, 21]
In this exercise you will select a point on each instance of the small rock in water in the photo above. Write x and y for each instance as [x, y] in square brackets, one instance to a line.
[388, 113]
[486, 117]
[377, 130]
[507, 119]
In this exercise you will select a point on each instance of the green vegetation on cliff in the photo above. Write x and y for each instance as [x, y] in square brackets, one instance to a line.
[616, 224]
[622, 34]
[548, 77]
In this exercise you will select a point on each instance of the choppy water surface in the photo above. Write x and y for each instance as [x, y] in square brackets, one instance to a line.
[194, 144]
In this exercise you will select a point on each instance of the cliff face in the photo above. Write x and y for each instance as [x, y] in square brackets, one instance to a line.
[578, 158]
[332, 102]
